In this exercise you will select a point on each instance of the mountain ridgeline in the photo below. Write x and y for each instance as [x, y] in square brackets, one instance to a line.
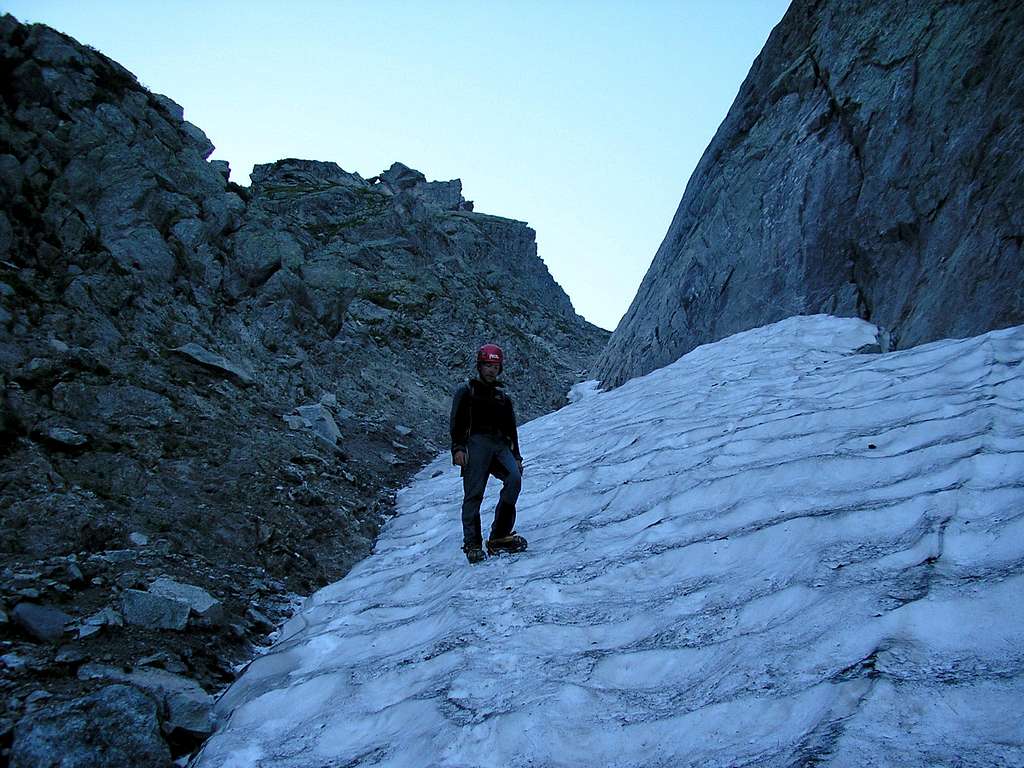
[872, 165]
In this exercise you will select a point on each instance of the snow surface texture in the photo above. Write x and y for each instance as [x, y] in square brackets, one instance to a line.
[773, 552]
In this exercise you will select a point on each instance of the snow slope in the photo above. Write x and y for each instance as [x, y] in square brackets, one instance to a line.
[773, 552]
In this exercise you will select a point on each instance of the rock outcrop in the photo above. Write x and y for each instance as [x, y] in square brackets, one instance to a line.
[872, 165]
[218, 386]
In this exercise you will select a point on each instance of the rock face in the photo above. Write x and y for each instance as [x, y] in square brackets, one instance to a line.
[872, 165]
[215, 384]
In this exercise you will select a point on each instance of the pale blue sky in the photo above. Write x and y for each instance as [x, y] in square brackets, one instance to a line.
[583, 118]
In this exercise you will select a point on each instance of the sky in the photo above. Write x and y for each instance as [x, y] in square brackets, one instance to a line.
[583, 118]
[773, 552]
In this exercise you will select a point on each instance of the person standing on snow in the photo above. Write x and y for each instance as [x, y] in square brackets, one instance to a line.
[485, 442]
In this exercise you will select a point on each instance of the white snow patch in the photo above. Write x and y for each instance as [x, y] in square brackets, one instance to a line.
[583, 390]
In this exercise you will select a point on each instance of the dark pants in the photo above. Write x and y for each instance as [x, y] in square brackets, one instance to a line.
[489, 455]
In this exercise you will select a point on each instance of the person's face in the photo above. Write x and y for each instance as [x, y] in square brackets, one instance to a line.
[489, 372]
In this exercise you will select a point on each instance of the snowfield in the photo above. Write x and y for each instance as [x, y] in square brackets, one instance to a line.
[773, 552]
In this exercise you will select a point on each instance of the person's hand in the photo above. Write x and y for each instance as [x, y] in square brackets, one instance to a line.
[460, 458]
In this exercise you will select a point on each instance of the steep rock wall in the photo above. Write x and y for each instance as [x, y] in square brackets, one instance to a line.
[871, 165]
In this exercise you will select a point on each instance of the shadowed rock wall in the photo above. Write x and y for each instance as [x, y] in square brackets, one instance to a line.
[871, 165]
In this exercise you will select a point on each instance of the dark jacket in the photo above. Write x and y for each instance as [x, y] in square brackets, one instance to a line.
[480, 408]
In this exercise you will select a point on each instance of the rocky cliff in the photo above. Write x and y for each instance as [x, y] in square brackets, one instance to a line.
[871, 165]
[210, 391]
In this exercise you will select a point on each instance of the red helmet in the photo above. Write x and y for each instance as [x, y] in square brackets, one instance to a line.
[490, 353]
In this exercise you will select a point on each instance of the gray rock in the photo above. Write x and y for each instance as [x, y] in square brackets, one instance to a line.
[260, 251]
[69, 654]
[223, 167]
[400, 177]
[65, 437]
[320, 420]
[116, 727]
[199, 139]
[187, 705]
[295, 421]
[106, 617]
[170, 106]
[130, 580]
[207, 608]
[3, 618]
[165, 660]
[154, 611]
[306, 173]
[43, 623]
[260, 620]
[217, 363]
[403, 430]
[14, 661]
[138, 539]
[445, 195]
[864, 169]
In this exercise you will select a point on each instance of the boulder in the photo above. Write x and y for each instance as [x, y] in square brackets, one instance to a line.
[145, 609]
[116, 727]
[217, 363]
[319, 419]
[260, 252]
[186, 705]
[74, 574]
[43, 623]
[207, 609]
[445, 195]
[401, 177]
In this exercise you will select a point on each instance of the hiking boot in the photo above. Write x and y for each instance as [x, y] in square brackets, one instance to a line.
[474, 552]
[511, 543]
